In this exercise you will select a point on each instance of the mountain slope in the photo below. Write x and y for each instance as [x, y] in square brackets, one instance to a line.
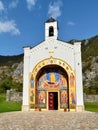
[90, 48]
[9, 60]
[90, 65]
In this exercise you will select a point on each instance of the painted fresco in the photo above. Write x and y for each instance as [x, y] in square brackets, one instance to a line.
[32, 97]
[72, 94]
[52, 80]
[63, 99]
[55, 80]
[41, 99]
[32, 83]
[72, 80]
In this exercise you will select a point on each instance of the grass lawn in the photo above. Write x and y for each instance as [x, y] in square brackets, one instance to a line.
[16, 106]
[91, 106]
[8, 106]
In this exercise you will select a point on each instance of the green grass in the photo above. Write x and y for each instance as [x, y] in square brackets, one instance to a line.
[91, 106]
[16, 106]
[8, 106]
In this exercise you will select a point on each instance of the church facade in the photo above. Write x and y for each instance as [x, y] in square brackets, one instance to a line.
[52, 78]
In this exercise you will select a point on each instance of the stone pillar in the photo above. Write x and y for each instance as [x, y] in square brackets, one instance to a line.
[79, 83]
[25, 105]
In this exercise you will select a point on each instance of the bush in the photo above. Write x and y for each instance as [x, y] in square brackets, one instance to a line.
[8, 83]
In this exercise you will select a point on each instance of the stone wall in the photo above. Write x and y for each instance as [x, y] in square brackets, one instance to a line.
[90, 98]
[13, 96]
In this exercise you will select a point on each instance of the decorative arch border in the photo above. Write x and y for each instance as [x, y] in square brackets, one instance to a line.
[69, 71]
[52, 61]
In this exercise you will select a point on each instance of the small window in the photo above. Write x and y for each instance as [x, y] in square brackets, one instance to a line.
[51, 31]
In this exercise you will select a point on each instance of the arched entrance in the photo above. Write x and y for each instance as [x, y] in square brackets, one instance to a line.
[52, 85]
[52, 88]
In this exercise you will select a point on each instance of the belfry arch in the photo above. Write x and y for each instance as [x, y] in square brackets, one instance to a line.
[51, 31]
[52, 78]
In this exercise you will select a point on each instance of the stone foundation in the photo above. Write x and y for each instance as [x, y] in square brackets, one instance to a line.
[25, 108]
[79, 108]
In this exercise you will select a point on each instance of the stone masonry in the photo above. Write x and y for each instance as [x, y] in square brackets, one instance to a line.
[13, 96]
[90, 98]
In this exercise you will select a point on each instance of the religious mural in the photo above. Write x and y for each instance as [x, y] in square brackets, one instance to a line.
[52, 80]
[72, 91]
[56, 80]
[32, 97]
[41, 98]
[32, 83]
[63, 99]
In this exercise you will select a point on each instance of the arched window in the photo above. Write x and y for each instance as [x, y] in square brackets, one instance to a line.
[51, 31]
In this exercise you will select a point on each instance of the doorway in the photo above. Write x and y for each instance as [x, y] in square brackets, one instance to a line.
[53, 101]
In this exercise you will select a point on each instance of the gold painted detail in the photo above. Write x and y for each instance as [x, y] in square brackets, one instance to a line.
[51, 53]
[51, 61]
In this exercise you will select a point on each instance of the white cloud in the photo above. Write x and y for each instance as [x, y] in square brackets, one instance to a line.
[13, 4]
[30, 3]
[9, 27]
[1, 6]
[54, 9]
[70, 23]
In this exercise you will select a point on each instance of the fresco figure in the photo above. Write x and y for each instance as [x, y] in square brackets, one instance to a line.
[32, 96]
[72, 80]
[41, 80]
[41, 97]
[32, 83]
[52, 77]
[62, 81]
[73, 98]
[63, 98]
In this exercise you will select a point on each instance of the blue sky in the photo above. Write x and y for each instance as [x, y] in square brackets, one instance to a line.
[22, 21]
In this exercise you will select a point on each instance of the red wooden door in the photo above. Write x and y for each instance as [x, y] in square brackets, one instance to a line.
[51, 101]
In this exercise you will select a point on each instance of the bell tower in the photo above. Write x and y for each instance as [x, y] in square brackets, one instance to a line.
[51, 29]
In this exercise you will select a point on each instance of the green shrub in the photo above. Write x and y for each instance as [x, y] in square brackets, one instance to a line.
[8, 83]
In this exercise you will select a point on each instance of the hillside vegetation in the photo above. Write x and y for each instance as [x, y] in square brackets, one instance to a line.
[10, 60]
[90, 65]
[11, 72]
[11, 68]
[90, 48]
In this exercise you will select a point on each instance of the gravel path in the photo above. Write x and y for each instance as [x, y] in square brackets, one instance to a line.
[48, 120]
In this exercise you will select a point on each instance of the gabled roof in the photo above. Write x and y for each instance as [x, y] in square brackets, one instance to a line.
[50, 20]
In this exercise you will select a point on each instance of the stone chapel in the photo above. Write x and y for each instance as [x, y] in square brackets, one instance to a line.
[52, 77]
